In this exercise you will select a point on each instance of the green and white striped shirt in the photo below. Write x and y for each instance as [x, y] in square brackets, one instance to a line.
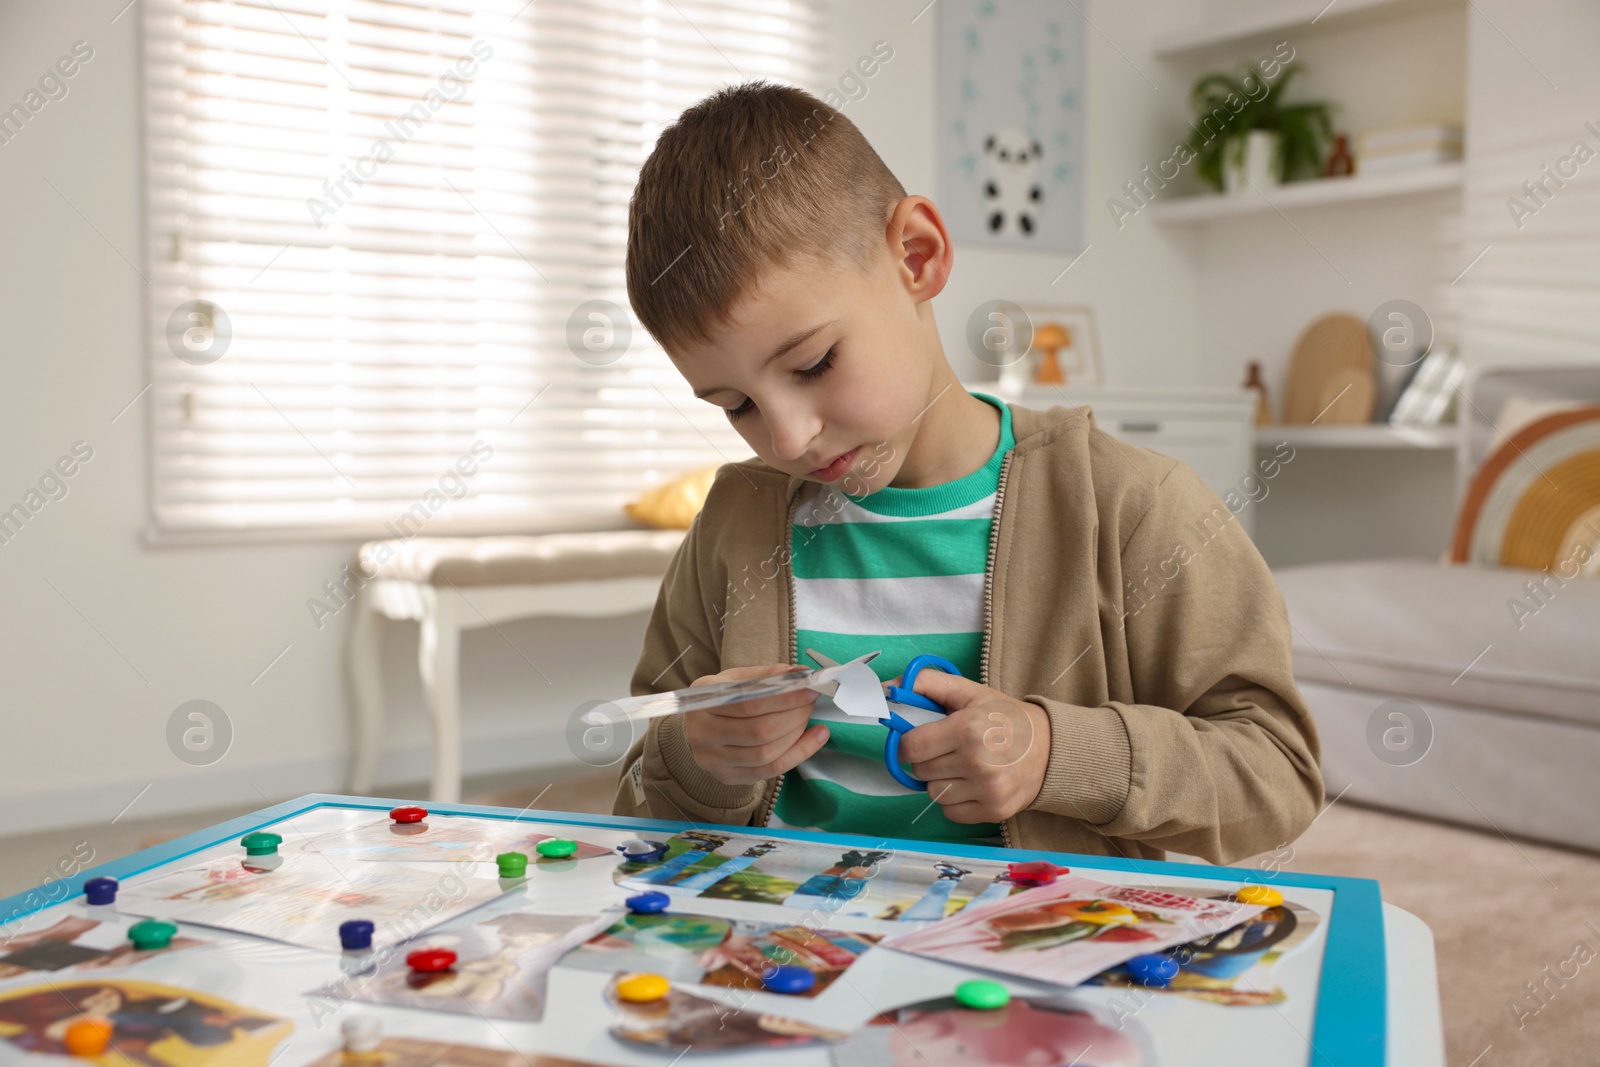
[901, 570]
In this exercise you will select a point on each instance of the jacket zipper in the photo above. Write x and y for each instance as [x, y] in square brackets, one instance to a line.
[988, 604]
[794, 638]
[988, 621]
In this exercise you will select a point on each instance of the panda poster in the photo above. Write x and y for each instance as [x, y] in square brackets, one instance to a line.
[1010, 123]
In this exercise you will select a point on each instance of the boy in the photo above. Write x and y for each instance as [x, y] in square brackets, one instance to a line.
[1124, 653]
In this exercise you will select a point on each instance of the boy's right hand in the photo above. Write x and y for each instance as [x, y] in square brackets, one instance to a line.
[748, 742]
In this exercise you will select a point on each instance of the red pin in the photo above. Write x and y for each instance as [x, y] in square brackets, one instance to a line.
[1035, 873]
[431, 960]
[409, 813]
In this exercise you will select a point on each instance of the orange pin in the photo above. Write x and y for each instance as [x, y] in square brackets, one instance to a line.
[89, 1036]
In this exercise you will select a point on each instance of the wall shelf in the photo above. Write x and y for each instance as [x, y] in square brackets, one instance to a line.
[1249, 27]
[1376, 435]
[1198, 209]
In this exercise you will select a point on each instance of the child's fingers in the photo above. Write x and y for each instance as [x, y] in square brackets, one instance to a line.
[930, 741]
[950, 691]
[948, 766]
[747, 756]
[950, 792]
[810, 741]
[758, 730]
[967, 812]
[775, 704]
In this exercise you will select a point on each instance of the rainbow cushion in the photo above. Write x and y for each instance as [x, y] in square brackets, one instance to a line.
[1535, 502]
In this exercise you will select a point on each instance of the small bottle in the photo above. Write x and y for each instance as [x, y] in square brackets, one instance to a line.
[1340, 162]
[1253, 381]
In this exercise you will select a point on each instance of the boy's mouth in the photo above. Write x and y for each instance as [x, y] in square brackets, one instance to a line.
[836, 468]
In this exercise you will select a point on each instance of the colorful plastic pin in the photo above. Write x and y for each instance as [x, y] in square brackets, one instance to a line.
[556, 847]
[408, 813]
[642, 851]
[362, 1034]
[260, 843]
[1154, 970]
[642, 988]
[790, 979]
[88, 1036]
[1264, 895]
[150, 934]
[648, 903]
[355, 934]
[101, 890]
[1035, 872]
[431, 960]
[982, 995]
[512, 864]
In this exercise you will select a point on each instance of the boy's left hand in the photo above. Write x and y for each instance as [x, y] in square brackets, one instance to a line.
[984, 761]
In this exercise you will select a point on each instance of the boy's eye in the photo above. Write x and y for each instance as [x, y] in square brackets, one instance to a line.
[816, 370]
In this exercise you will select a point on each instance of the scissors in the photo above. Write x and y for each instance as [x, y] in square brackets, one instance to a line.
[902, 694]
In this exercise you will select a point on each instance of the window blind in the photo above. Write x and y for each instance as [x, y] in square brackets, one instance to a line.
[374, 232]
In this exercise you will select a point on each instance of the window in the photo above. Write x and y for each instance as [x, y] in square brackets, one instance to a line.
[374, 230]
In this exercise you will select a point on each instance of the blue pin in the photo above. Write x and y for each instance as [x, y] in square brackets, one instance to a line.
[1154, 970]
[650, 903]
[788, 979]
[101, 890]
[355, 934]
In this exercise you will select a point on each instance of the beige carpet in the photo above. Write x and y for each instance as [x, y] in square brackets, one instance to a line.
[1501, 912]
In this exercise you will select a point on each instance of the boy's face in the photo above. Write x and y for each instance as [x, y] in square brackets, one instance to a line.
[856, 370]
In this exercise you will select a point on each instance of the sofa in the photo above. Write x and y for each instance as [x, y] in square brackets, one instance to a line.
[1464, 689]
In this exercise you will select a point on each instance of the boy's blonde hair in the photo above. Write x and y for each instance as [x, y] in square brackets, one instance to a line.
[753, 176]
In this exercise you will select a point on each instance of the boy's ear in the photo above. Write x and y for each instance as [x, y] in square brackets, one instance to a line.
[920, 245]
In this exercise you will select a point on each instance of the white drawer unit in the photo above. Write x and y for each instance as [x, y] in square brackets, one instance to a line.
[1212, 430]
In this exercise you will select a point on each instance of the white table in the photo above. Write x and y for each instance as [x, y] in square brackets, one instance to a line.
[448, 585]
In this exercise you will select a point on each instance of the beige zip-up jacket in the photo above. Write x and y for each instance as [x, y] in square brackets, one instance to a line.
[1121, 596]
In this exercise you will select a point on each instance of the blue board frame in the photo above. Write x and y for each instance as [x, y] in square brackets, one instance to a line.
[1351, 1015]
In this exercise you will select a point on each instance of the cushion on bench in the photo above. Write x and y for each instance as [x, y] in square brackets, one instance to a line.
[1410, 628]
[542, 559]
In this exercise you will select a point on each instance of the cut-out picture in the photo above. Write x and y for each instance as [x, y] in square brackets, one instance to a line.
[304, 899]
[413, 1052]
[1027, 1032]
[154, 1025]
[81, 944]
[1071, 930]
[732, 953]
[878, 890]
[444, 838]
[683, 1019]
[1234, 967]
[500, 969]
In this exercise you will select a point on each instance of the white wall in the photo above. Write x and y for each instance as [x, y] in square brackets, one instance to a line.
[1137, 281]
[94, 666]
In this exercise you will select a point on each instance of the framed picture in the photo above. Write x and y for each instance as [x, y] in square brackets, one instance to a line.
[1065, 350]
[1009, 167]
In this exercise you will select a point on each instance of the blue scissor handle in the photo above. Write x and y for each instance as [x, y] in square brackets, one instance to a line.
[904, 694]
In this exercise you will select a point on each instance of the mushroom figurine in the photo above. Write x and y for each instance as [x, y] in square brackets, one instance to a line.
[1047, 339]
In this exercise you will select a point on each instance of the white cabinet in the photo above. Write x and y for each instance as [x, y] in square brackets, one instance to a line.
[1212, 430]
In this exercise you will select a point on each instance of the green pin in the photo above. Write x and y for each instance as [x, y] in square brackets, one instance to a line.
[512, 864]
[260, 843]
[982, 995]
[151, 934]
[556, 847]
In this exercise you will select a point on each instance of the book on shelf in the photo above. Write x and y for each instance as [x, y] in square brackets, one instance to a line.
[1396, 148]
[1427, 398]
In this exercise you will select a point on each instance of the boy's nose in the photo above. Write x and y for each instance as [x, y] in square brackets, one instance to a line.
[792, 436]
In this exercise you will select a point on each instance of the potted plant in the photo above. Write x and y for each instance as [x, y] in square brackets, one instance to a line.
[1244, 132]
